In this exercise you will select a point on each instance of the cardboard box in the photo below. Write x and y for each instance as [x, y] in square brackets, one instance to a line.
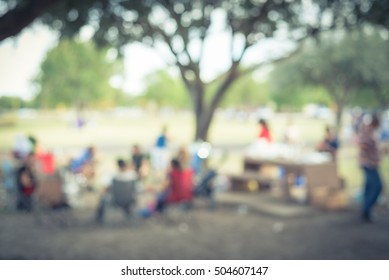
[322, 175]
[318, 196]
[337, 200]
[50, 190]
[329, 198]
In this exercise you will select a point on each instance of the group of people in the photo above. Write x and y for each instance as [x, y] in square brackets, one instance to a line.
[178, 172]
[370, 155]
[329, 144]
[24, 171]
[29, 164]
[178, 184]
[369, 152]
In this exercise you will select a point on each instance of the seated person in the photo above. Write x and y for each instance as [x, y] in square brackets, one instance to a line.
[128, 177]
[330, 143]
[184, 157]
[85, 166]
[178, 187]
[78, 164]
[26, 183]
[22, 147]
[264, 132]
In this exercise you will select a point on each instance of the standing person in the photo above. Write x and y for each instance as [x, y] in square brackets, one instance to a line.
[160, 153]
[26, 183]
[264, 132]
[369, 159]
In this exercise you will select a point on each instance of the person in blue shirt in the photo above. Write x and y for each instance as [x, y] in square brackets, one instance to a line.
[162, 139]
[330, 143]
[160, 154]
[77, 164]
[8, 174]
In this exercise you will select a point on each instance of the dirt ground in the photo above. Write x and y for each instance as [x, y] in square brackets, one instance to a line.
[228, 232]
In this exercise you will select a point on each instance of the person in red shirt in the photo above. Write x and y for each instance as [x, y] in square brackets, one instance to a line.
[264, 132]
[178, 187]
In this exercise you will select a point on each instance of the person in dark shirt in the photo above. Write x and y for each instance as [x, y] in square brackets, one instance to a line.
[26, 183]
[330, 143]
[137, 158]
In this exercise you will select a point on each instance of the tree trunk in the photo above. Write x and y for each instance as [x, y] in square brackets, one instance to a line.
[198, 93]
[340, 96]
[204, 113]
[338, 122]
[338, 117]
[203, 123]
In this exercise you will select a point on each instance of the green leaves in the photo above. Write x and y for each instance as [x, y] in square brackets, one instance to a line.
[74, 73]
[165, 90]
[350, 67]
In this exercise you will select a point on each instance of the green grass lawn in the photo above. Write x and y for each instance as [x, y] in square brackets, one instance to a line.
[55, 130]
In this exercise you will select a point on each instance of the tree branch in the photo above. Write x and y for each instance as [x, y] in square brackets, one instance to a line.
[272, 61]
[13, 21]
[183, 33]
[232, 74]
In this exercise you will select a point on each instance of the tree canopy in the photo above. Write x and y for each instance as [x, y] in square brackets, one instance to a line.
[71, 15]
[165, 90]
[350, 67]
[11, 103]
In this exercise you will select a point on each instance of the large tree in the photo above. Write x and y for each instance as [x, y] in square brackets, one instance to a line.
[11, 103]
[184, 27]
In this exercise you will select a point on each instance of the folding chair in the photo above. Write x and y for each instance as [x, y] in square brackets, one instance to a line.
[122, 194]
[205, 187]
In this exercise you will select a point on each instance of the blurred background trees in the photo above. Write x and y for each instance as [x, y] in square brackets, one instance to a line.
[75, 74]
[350, 67]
